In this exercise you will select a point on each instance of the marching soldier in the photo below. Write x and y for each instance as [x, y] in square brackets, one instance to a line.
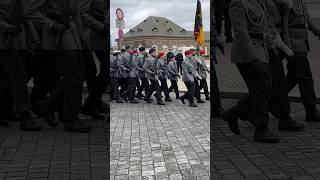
[216, 107]
[197, 63]
[249, 19]
[13, 37]
[173, 73]
[124, 65]
[163, 75]
[151, 67]
[114, 77]
[221, 8]
[279, 100]
[93, 18]
[298, 66]
[63, 36]
[203, 74]
[189, 76]
[133, 78]
[141, 58]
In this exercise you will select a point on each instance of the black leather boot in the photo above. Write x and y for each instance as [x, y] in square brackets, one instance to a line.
[312, 115]
[266, 136]
[27, 123]
[290, 124]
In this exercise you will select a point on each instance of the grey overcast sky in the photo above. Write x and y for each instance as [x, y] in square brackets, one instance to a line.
[181, 12]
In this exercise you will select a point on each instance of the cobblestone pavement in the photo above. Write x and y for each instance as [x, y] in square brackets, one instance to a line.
[53, 153]
[160, 142]
[296, 157]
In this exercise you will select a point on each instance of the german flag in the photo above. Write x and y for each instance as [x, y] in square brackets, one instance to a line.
[198, 33]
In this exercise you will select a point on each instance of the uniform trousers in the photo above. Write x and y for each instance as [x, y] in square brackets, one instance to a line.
[299, 73]
[164, 87]
[174, 86]
[154, 87]
[279, 102]
[144, 85]
[257, 76]
[13, 82]
[204, 86]
[191, 91]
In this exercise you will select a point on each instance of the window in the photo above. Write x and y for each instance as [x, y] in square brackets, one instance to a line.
[155, 29]
[169, 30]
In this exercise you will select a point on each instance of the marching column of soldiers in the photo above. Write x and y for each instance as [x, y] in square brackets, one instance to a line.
[265, 33]
[137, 75]
[52, 42]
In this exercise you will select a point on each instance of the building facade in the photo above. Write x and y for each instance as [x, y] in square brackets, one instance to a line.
[163, 34]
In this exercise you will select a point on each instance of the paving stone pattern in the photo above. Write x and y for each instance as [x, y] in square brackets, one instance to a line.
[296, 157]
[54, 154]
[160, 142]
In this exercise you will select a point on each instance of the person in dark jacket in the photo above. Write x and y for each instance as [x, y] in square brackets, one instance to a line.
[279, 104]
[216, 105]
[221, 8]
[14, 28]
[179, 59]
[250, 55]
[173, 74]
[63, 35]
[151, 68]
[299, 71]
[189, 76]
[93, 18]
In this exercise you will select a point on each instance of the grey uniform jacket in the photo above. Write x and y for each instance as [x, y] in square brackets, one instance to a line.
[188, 70]
[196, 64]
[173, 72]
[139, 65]
[114, 67]
[298, 26]
[45, 13]
[93, 17]
[246, 49]
[163, 67]
[132, 66]
[203, 68]
[151, 66]
[124, 65]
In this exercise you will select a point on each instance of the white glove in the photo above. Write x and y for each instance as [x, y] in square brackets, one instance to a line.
[282, 46]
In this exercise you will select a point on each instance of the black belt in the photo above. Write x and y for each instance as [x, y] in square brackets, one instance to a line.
[257, 36]
[298, 26]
